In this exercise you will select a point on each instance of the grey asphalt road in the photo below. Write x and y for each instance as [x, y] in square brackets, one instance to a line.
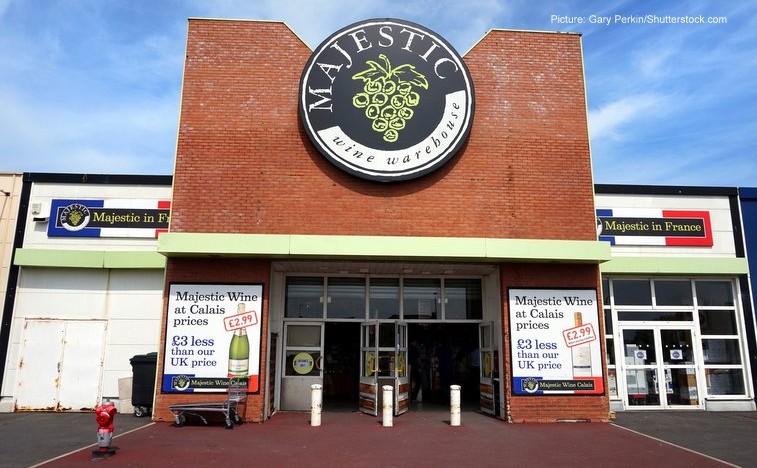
[27, 439]
[728, 436]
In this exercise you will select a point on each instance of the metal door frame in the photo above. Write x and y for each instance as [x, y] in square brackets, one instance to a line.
[486, 349]
[369, 368]
[371, 353]
[307, 380]
[401, 376]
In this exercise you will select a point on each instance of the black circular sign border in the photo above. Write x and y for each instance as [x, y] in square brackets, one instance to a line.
[379, 175]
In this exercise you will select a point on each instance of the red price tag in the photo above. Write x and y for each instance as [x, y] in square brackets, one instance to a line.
[237, 321]
[579, 335]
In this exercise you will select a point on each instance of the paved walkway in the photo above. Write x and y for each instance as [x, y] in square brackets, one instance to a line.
[418, 439]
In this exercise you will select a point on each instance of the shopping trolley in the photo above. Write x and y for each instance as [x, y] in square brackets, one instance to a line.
[236, 396]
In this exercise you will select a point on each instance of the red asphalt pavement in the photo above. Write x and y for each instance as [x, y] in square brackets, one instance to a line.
[417, 439]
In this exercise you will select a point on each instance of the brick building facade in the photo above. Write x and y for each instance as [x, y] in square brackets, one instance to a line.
[255, 202]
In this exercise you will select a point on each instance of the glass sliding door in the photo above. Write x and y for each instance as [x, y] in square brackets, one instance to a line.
[660, 368]
[641, 369]
[678, 365]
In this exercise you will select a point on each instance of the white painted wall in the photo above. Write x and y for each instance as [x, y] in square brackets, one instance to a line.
[129, 301]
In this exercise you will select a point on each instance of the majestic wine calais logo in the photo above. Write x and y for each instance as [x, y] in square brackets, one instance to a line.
[386, 100]
[74, 217]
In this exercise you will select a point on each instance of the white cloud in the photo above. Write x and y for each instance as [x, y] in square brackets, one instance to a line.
[655, 63]
[608, 121]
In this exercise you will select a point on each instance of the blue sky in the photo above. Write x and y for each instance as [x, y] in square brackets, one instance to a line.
[93, 85]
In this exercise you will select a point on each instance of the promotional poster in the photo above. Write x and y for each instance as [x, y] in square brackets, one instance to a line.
[555, 344]
[212, 335]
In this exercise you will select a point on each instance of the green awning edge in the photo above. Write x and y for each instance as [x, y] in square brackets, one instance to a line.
[675, 266]
[382, 248]
[121, 259]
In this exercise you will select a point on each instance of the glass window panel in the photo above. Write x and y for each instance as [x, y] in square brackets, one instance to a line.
[370, 366]
[714, 293]
[641, 387]
[632, 292]
[610, 351]
[304, 297]
[673, 293]
[659, 316]
[386, 363]
[401, 364]
[717, 322]
[724, 381]
[463, 299]
[612, 382]
[487, 369]
[681, 386]
[369, 340]
[304, 335]
[386, 335]
[608, 321]
[485, 336]
[677, 347]
[384, 297]
[346, 298]
[302, 363]
[639, 347]
[402, 337]
[606, 292]
[421, 298]
[721, 351]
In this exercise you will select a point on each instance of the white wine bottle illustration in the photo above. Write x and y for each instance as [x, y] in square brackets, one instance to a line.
[239, 351]
[581, 354]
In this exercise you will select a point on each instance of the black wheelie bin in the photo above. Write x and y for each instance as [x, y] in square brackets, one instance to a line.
[143, 382]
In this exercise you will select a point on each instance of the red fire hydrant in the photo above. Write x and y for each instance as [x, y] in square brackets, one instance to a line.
[105, 414]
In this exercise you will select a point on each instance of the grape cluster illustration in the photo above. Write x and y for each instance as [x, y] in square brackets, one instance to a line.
[389, 95]
[75, 217]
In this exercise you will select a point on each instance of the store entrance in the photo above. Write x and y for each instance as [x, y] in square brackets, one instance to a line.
[659, 367]
[341, 367]
[444, 355]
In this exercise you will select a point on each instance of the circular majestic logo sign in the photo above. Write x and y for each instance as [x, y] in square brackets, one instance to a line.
[386, 100]
[74, 217]
[530, 385]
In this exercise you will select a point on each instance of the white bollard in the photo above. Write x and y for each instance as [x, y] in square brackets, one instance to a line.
[454, 405]
[387, 407]
[316, 403]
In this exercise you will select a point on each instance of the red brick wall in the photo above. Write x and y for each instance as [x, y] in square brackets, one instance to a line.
[549, 408]
[216, 271]
[245, 165]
